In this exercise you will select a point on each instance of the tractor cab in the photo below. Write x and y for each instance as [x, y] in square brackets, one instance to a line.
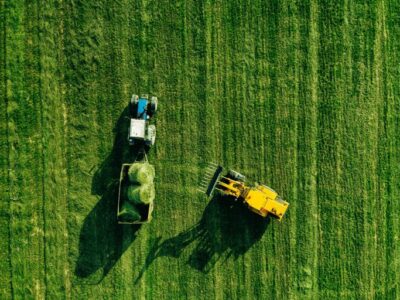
[141, 109]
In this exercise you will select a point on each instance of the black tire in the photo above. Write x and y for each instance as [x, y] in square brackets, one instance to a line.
[153, 106]
[134, 99]
[133, 105]
[236, 176]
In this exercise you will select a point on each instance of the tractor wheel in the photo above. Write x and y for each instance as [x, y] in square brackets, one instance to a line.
[236, 175]
[134, 99]
[153, 105]
[152, 129]
[133, 104]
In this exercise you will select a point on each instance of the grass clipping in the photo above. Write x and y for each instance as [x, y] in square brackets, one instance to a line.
[142, 173]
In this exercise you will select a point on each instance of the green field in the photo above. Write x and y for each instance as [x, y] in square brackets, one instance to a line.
[301, 95]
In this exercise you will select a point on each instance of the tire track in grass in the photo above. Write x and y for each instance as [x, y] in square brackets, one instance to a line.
[285, 158]
[265, 59]
[330, 269]
[236, 108]
[196, 105]
[93, 242]
[345, 86]
[54, 170]
[226, 92]
[347, 195]
[248, 133]
[214, 93]
[195, 115]
[25, 161]
[359, 152]
[391, 153]
[307, 212]
[381, 95]
[271, 46]
[6, 284]
[252, 163]
[239, 130]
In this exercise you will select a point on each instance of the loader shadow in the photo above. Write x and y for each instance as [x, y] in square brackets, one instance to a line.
[226, 230]
[102, 240]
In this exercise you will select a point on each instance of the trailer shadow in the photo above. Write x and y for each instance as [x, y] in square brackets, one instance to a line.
[226, 230]
[102, 240]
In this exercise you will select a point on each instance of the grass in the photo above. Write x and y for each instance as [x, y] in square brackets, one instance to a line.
[302, 96]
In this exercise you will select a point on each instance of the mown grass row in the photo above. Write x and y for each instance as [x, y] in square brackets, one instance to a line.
[300, 96]
[25, 151]
[5, 270]
[53, 118]
[389, 167]
[92, 116]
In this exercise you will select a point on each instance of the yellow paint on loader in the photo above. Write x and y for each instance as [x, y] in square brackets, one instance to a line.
[259, 198]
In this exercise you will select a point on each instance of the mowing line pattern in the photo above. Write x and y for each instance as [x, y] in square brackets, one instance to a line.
[301, 96]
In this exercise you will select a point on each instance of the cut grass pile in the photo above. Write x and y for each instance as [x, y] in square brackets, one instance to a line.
[142, 173]
[141, 194]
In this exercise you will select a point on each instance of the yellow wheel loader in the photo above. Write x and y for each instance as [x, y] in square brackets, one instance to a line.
[259, 198]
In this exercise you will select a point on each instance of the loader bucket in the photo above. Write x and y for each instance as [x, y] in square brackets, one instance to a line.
[213, 181]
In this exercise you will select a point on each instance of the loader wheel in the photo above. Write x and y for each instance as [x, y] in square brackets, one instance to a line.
[236, 175]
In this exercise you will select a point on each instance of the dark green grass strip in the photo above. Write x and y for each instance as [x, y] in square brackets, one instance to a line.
[383, 93]
[6, 284]
[306, 201]
[329, 118]
[391, 153]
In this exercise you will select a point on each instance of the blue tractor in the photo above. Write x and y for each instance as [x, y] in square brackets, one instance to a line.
[141, 110]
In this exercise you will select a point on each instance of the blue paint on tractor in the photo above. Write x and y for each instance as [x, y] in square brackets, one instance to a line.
[142, 109]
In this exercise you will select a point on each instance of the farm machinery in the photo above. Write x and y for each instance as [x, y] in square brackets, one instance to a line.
[259, 198]
[141, 110]
[136, 183]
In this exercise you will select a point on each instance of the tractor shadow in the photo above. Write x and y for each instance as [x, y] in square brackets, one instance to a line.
[102, 240]
[226, 230]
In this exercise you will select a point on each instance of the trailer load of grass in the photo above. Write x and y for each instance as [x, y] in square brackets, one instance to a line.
[128, 213]
[137, 192]
[141, 173]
